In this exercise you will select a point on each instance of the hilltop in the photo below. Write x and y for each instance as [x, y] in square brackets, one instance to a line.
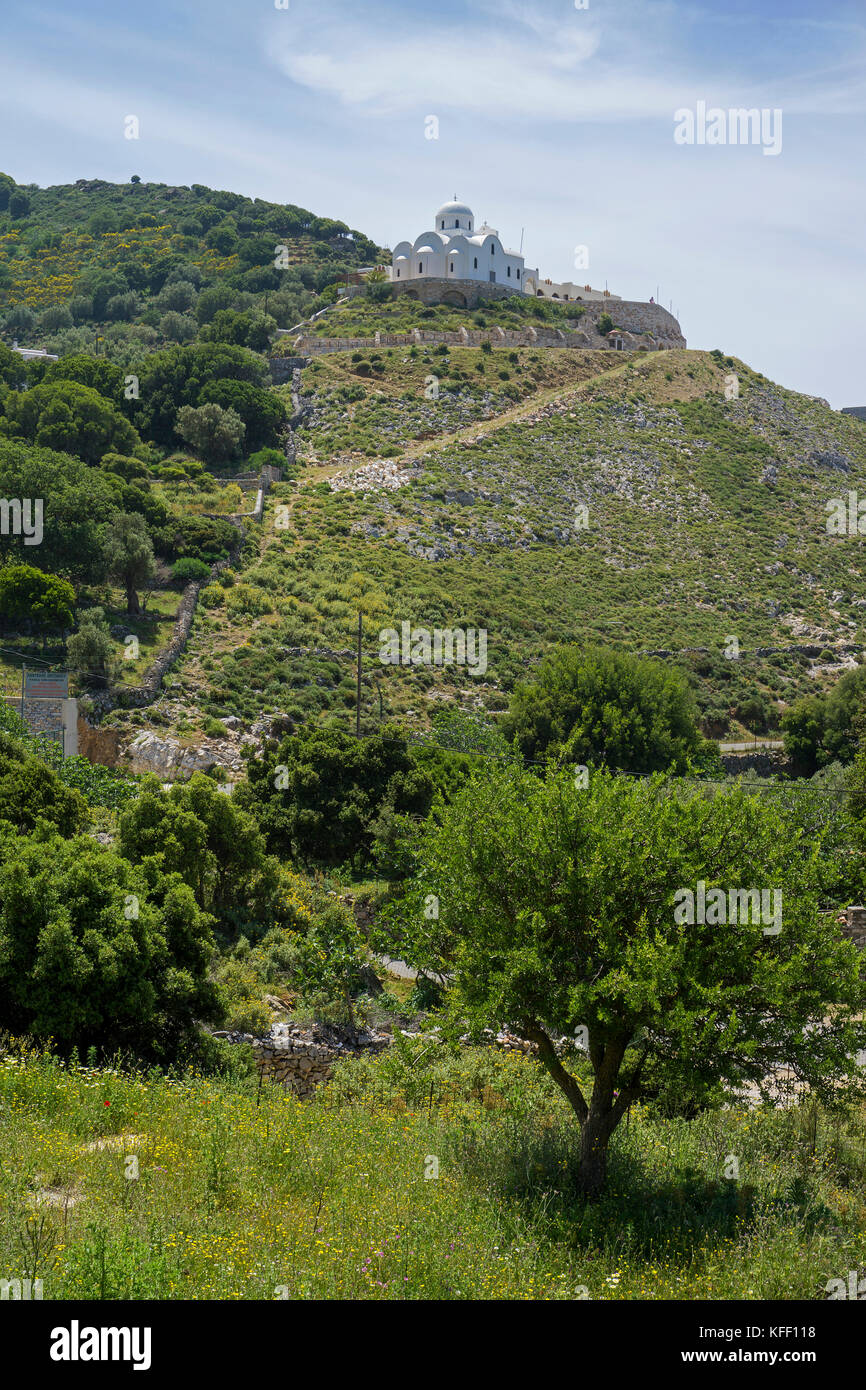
[660, 501]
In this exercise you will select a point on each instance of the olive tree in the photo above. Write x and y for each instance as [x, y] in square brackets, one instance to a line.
[672, 929]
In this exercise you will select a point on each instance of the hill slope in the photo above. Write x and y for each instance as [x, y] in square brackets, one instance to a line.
[705, 520]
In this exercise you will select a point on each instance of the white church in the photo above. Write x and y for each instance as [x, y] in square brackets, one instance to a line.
[457, 249]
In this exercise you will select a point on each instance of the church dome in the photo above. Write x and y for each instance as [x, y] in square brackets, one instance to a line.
[455, 216]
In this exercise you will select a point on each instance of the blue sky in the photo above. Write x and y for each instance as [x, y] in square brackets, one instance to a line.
[553, 120]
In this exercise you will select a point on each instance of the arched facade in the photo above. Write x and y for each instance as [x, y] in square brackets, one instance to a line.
[457, 249]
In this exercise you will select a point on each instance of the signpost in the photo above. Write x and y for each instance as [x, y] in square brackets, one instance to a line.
[45, 685]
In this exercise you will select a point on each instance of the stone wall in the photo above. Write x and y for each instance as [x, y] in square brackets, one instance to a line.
[283, 367]
[300, 1064]
[767, 762]
[466, 294]
[644, 325]
[854, 926]
[40, 716]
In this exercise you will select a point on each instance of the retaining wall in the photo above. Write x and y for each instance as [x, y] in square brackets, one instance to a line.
[648, 322]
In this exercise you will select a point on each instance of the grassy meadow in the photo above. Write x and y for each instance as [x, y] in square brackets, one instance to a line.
[248, 1194]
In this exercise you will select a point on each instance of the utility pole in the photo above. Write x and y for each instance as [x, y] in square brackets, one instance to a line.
[358, 699]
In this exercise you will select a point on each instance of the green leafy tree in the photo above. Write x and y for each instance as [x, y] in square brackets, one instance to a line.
[822, 729]
[77, 503]
[196, 831]
[31, 793]
[20, 319]
[176, 377]
[604, 708]
[319, 795]
[562, 912]
[216, 434]
[71, 418]
[12, 370]
[87, 959]
[90, 650]
[263, 413]
[129, 555]
[125, 467]
[246, 328]
[28, 594]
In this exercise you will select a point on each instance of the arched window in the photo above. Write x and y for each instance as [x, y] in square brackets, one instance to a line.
[509, 272]
[420, 267]
[493, 248]
[452, 267]
[457, 222]
[398, 275]
[518, 274]
[443, 224]
[475, 267]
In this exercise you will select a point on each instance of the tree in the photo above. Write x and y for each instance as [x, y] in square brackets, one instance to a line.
[179, 328]
[604, 708]
[124, 467]
[562, 911]
[87, 958]
[71, 418]
[214, 433]
[90, 651]
[96, 372]
[11, 366]
[30, 792]
[175, 378]
[129, 555]
[318, 795]
[247, 329]
[19, 319]
[195, 831]
[28, 594]
[77, 502]
[821, 729]
[263, 413]
[19, 204]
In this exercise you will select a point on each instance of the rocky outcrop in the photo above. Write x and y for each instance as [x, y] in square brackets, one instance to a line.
[171, 761]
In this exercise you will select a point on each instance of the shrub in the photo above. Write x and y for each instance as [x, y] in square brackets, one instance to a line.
[186, 571]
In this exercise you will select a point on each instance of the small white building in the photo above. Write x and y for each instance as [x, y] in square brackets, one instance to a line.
[29, 353]
[567, 292]
[457, 249]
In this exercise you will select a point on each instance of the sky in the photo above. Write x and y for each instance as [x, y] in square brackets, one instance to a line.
[554, 119]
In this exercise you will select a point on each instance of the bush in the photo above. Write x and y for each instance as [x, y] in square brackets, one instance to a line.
[30, 791]
[603, 708]
[88, 959]
[246, 598]
[186, 571]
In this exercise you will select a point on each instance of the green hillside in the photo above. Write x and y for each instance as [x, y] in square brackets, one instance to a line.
[706, 521]
[95, 260]
[544, 495]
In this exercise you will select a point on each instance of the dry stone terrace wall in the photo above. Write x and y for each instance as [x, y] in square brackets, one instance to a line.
[649, 322]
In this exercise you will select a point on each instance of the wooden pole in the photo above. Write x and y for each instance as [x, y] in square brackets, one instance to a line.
[358, 699]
